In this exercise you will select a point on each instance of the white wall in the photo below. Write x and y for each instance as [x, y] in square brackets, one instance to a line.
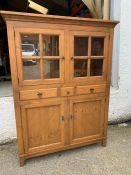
[120, 98]
[7, 119]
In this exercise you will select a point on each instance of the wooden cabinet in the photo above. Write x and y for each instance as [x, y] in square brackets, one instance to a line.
[61, 70]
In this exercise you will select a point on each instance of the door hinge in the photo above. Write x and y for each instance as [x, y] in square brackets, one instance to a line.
[24, 150]
[109, 37]
[18, 80]
[63, 118]
[106, 76]
[71, 117]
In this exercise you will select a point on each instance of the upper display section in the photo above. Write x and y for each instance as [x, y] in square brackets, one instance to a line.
[46, 49]
[19, 16]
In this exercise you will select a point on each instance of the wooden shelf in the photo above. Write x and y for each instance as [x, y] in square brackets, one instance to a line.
[81, 11]
[7, 77]
[77, 10]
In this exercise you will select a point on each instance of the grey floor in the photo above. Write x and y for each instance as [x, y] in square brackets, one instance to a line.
[5, 89]
[115, 159]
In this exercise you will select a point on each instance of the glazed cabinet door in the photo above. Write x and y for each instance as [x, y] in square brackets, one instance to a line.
[87, 119]
[88, 56]
[40, 56]
[43, 125]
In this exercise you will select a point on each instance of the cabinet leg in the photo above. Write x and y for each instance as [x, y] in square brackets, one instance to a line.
[21, 161]
[104, 142]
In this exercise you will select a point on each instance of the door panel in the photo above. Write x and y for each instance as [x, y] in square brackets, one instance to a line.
[40, 56]
[88, 56]
[43, 125]
[87, 119]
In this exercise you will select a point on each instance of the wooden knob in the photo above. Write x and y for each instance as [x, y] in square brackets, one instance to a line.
[92, 90]
[39, 93]
[68, 92]
[63, 118]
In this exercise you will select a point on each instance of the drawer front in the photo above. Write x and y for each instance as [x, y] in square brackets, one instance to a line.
[90, 89]
[67, 91]
[38, 94]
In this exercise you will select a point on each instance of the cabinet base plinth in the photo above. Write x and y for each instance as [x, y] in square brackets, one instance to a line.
[104, 142]
[21, 161]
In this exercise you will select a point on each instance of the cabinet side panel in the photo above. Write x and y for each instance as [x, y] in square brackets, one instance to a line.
[108, 84]
[13, 63]
[14, 77]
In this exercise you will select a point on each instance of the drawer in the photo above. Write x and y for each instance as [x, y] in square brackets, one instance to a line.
[90, 89]
[67, 91]
[38, 94]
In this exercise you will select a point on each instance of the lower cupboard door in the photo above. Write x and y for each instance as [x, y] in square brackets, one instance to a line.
[43, 126]
[87, 119]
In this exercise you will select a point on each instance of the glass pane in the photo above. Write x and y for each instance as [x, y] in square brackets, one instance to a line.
[30, 45]
[96, 67]
[97, 47]
[51, 69]
[50, 45]
[31, 69]
[81, 46]
[80, 68]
